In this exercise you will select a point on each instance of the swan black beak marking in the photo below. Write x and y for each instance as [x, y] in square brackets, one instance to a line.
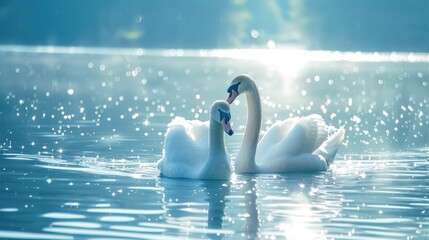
[232, 95]
[225, 121]
[233, 92]
[227, 127]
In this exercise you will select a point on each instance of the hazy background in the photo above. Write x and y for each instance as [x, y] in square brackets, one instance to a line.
[346, 25]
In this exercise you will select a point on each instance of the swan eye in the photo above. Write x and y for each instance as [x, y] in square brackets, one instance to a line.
[224, 115]
[233, 87]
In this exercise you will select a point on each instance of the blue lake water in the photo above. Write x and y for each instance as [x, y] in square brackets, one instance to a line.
[82, 129]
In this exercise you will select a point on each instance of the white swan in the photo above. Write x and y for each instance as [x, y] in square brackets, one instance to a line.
[293, 145]
[195, 149]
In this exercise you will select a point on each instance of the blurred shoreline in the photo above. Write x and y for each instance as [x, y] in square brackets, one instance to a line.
[235, 53]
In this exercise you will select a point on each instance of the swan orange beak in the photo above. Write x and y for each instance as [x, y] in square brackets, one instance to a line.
[227, 127]
[232, 95]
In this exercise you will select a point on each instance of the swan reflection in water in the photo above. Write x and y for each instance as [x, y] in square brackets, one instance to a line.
[293, 206]
[292, 209]
[252, 224]
[188, 202]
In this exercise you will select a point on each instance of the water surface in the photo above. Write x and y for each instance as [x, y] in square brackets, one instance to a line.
[81, 132]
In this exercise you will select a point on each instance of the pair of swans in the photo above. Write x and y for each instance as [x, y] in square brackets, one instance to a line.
[192, 149]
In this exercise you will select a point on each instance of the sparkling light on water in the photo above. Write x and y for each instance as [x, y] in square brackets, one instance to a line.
[83, 139]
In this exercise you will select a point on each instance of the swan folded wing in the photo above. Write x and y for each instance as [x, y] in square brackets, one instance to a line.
[195, 130]
[317, 130]
[271, 144]
[185, 148]
[276, 133]
[199, 131]
[305, 136]
[288, 124]
[305, 162]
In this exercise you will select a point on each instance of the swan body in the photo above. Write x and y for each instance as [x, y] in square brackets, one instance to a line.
[300, 144]
[195, 149]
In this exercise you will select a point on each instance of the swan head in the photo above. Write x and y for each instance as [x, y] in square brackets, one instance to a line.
[240, 84]
[220, 113]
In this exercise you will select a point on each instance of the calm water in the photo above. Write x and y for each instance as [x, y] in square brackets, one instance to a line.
[80, 134]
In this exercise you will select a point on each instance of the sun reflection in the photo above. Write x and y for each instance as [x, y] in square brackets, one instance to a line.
[288, 63]
[302, 223]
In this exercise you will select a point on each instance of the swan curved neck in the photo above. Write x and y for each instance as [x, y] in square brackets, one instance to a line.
[216, 138]
[245, 161]
[217, 165]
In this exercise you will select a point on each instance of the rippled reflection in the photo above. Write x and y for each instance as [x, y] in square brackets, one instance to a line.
[195, 206]
[364, 196]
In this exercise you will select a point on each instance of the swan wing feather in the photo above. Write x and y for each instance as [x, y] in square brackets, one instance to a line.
[185, 148]
[292, 137]
[276, 133]
[316, 131]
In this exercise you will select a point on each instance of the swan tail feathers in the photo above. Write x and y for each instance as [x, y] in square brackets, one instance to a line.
[333, 144]
[336, 139]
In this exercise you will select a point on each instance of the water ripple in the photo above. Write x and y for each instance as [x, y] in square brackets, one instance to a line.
[32, 235]
[125, 211]
[59, 215]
